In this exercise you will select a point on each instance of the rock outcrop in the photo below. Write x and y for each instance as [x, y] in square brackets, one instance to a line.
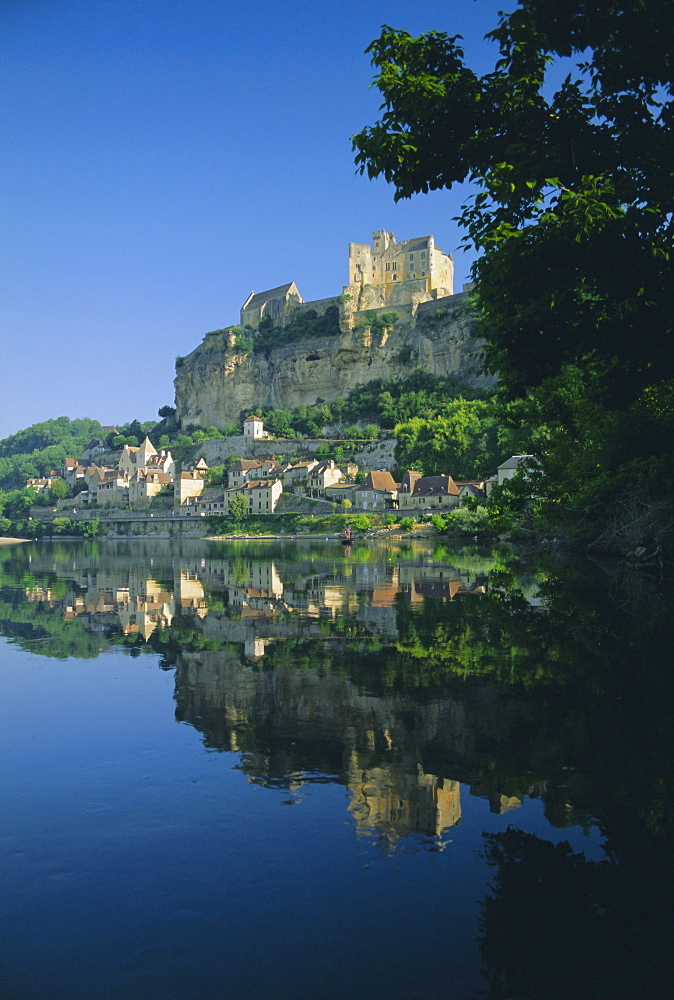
[217, 381]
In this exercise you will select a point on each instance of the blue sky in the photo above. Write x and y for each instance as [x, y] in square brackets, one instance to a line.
[159, 159]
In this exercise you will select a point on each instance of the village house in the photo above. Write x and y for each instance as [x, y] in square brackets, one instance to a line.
[113, 491]
[476, 488]
[73, 469]
[508, 468]
[430, 492]
[187, 485]
[39, 485]
[243, 470]
[145, 456]
[378, 491]
[190, 482]
[298, 473]
[95, 447]
[322, 475]
[408, 480]
[341, 491]
[145, 484]
[95, 474]
[262, 496]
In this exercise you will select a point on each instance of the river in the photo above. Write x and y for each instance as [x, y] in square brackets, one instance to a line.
[304, 771]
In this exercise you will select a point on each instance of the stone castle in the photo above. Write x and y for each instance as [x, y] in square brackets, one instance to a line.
[382, 275]
[410, 283]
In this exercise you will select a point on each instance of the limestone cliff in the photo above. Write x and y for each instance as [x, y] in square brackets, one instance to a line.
[216, 381]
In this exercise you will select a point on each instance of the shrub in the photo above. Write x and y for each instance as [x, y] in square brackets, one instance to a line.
[361, 522]
[243, 343]
[407, 523]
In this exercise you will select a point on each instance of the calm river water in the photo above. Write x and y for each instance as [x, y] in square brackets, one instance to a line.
[297, 771]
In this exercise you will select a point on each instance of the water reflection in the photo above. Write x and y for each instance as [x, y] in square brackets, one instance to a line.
[285, 657]
[419, 679]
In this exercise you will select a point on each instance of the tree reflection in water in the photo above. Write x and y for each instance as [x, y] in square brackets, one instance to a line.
[404, 674]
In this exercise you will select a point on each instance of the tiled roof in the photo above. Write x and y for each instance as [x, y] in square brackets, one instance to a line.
[410, 478]
[245, 465]
[380, 480]
[435, 485]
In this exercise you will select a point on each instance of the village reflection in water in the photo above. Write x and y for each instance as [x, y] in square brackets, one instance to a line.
[465, 700]
[259, 643]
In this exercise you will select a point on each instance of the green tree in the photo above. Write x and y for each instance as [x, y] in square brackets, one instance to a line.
[572, 216]
[238, 506]
[216, 475]
[58, 489]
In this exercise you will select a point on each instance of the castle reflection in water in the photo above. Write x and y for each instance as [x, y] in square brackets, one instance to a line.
[253, 636]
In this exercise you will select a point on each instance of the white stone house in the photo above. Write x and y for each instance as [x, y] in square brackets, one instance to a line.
[187, 485]
[322, 475]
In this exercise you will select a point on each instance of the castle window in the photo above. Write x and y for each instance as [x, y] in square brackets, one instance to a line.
[395, 277]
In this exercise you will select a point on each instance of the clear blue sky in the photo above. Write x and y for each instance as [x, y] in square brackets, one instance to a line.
[159, 159]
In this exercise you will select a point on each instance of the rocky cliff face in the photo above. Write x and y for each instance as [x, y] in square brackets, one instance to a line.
[215, 382]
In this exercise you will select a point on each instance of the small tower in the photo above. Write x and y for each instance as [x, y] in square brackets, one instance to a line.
[253, 427]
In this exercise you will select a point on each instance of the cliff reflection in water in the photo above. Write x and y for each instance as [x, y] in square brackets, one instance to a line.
[418, 677]
[281, 656]
[399, 672]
